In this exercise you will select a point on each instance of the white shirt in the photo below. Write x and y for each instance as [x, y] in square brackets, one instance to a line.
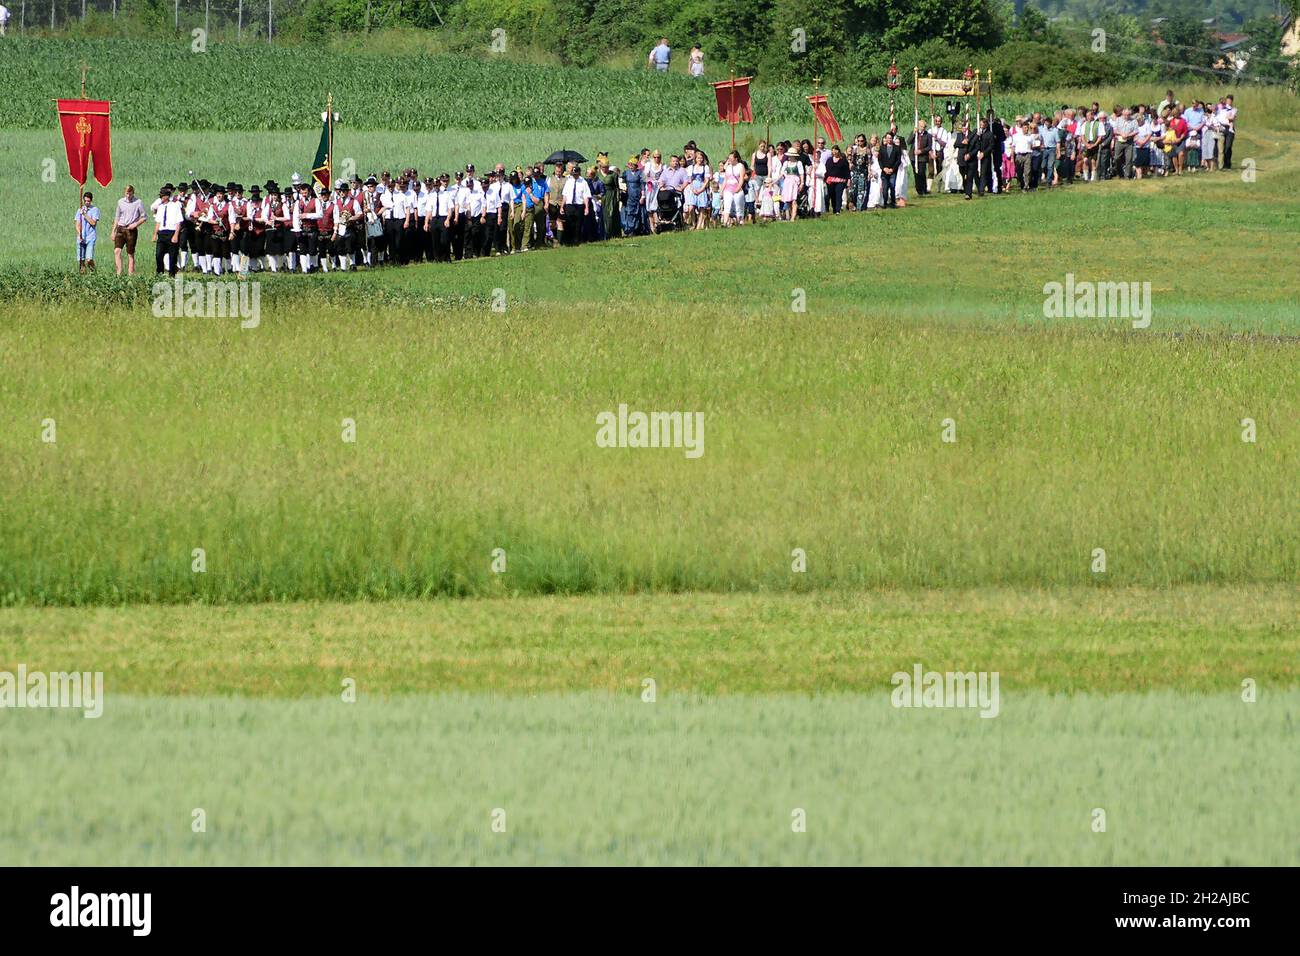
[1227, 117]
[1021, 142]
[474, 204]
[576, 192]
[423, 205]
[497, 196]
[445, 202]
[168, 216]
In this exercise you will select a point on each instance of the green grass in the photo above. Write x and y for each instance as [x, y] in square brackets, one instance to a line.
[1073, 640]
[598, 779]
[477, 431]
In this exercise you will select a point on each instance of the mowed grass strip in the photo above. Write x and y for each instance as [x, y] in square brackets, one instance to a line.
[1192, 639]
[478, 431]
[582, 779]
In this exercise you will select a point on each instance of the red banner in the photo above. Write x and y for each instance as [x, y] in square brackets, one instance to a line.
[86, 135]
[826, 119]
[733, 100]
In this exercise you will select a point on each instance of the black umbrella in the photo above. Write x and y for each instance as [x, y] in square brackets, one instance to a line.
[564, 156]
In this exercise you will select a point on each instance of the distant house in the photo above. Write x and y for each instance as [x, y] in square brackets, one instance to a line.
[1232, 52]
[1290, 36]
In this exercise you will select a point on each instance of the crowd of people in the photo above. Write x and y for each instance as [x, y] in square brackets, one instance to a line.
[391, 219]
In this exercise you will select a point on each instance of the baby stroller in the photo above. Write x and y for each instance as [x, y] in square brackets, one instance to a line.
[670, 205]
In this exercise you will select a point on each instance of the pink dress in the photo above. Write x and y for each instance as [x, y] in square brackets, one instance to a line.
[790, 181]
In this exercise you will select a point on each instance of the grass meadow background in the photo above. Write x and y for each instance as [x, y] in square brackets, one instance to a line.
[476, 431]
[588, 779]
[371, 561]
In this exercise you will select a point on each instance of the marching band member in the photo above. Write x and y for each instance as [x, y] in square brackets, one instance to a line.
[218, 223]
[372, 250]
[306, 213]
[348, 224]
[324, 230]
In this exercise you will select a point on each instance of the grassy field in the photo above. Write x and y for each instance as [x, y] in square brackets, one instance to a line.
[477, 431]
[327, 560]
[1124, 701]
[594, 779]
[1193, 640]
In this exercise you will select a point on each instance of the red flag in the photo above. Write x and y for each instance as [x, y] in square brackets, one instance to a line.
[826, 119]
[733, 100]
[86, 135]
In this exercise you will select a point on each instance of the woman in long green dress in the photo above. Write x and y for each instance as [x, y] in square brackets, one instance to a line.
[609, 202]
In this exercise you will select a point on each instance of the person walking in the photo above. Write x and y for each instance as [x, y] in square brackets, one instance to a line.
[660, 55]
[87, 220]
[609, 200]
[697, 62]
[575, 198]
[126, 229]
[890, 157]
[167, 233]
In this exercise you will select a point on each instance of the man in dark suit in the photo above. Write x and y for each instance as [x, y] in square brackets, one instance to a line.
[983, 147]
[919, 146]
[964, 144]
[890, 156]
[999, 132]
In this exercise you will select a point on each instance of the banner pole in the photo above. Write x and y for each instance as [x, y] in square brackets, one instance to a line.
[731, 112]
[329, 159]
[916, 121]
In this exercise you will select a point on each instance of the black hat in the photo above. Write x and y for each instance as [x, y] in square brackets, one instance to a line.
[372, 181]
[218, 188]
[256, 190]
[239, 187]
[271, 185]
[230, 187]
[205, 185]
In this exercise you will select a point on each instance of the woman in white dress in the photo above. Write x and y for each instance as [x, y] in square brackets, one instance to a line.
[654, 168]
[815, 181]
[900, 182]
[873, 191]
[951, 174]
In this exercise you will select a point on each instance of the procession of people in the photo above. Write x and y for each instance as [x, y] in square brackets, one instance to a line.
[309, 226]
